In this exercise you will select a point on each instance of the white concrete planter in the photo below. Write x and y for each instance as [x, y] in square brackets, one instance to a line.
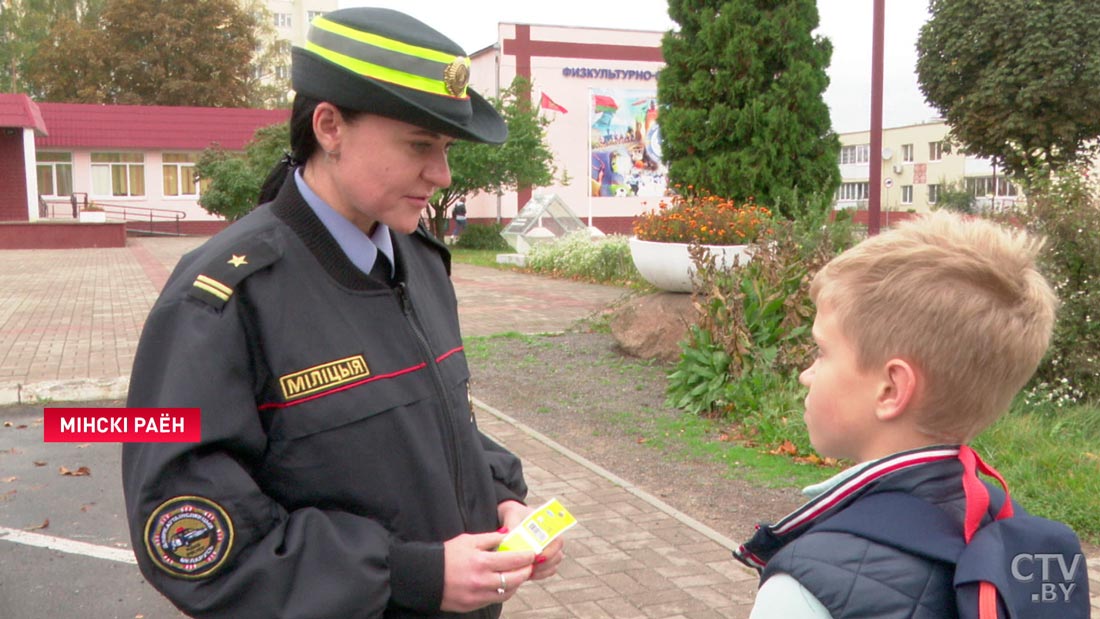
[94, 217]
[668, 266]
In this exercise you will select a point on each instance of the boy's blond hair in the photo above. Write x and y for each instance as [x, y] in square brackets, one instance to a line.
[959, 298]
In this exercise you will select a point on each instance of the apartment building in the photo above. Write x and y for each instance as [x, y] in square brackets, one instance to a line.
[290, 19]
[918, 165]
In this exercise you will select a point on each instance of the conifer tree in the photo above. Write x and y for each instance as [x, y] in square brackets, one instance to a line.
[742, 113]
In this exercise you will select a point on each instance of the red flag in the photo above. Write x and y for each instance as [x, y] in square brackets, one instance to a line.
[548, 103]
[604, 103]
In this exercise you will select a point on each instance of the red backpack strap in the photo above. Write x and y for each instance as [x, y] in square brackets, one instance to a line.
[977, 496]
[977, 504]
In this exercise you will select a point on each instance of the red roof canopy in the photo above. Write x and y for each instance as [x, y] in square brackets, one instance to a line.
[19, 111]
[146, 127]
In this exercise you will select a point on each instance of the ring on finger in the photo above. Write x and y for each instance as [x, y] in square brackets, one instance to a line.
[503, 588]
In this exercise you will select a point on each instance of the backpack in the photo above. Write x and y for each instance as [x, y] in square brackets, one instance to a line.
[1018, 566]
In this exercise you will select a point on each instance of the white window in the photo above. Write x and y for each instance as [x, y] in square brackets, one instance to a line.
[907, 153]
[906, 194]
[282, 20]
[852, 191]
[935, 151]
[55, 174]
[856, 153]
[981, 186]
[311, 14]
[118, 174]
[180, 178]
[933, 193]
[282, 72]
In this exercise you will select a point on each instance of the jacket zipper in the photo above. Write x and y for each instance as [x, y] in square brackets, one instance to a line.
[441, 387]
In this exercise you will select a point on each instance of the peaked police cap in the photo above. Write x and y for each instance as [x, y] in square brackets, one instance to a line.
[384, 62]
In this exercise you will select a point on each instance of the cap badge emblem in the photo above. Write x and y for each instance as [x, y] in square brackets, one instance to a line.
[456, 76]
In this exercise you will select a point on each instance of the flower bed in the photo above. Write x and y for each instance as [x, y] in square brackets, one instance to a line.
[698, 217]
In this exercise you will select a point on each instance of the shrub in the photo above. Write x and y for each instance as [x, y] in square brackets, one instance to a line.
[1065, 208]
[603, 259]
[235, 178]
[753, 333]
[483, 236]
[760, 312]
[699, 217]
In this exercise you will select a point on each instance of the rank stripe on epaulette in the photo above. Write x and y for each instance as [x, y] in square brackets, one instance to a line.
[214, 287]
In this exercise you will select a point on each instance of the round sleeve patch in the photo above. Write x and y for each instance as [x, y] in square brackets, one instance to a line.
[189, 536]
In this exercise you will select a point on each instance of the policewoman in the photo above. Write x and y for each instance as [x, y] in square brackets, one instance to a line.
[341, 472]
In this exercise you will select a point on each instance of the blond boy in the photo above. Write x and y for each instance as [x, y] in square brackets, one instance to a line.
[925, 334]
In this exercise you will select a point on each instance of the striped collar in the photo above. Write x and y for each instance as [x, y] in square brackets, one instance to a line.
[768, 539]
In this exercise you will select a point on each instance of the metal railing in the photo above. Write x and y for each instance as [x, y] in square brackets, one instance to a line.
[144, 219]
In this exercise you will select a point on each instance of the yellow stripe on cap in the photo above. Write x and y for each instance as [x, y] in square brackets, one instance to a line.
[363, 53]
[380, 41]
[214, 287]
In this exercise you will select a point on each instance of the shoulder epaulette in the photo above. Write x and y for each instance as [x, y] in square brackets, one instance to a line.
[440, 246]
[225, 270]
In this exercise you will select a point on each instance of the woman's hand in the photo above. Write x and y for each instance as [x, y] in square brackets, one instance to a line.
[475, 575]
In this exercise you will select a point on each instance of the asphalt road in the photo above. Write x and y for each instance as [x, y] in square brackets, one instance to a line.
[64, 545]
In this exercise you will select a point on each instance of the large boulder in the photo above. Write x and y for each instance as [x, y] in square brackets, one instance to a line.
[652, 326]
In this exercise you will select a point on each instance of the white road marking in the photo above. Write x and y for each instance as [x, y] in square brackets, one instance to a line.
[67, 545]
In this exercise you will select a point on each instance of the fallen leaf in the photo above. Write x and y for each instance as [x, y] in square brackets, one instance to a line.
[80, 472]
[40, 463]
[139, 616]
[641, 441]
[786, 449]
[83, 445]
[8, 480]
[810, 459]
[8, 424]
[45, 524]
[86, 507]
[724, 438]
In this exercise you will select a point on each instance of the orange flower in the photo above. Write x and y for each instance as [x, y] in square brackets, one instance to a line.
[703, 218]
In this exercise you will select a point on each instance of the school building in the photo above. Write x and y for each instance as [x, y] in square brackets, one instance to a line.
[598, 88]
[66, 162]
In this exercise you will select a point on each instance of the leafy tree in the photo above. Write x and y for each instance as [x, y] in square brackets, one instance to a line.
[150, 52]
[235, 178]
[1015, 79]
[741, 107]
[23, 26]
[524, 160]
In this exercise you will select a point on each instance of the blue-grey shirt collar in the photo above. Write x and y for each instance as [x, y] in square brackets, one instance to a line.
[360, 248]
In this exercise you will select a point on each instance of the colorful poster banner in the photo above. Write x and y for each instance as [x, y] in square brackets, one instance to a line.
[625, 144]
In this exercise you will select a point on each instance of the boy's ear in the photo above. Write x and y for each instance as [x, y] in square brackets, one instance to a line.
[898, 389]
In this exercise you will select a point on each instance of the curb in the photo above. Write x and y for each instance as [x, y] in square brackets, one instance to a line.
[680, 516]
[77, 390]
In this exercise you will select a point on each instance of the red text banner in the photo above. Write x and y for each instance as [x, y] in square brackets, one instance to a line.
[122, 425]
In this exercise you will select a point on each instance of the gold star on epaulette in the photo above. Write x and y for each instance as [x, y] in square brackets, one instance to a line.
[237, 260]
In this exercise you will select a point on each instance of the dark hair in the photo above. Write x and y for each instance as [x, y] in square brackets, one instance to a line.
[303, 143]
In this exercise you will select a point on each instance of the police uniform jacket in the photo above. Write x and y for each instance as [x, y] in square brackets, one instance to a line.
[339, 449]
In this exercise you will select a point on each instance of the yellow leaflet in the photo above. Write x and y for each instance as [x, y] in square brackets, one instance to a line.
[539, 528]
